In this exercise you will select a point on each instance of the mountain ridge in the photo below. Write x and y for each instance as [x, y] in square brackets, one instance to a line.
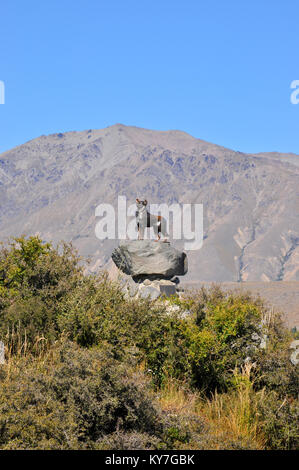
[52, 184]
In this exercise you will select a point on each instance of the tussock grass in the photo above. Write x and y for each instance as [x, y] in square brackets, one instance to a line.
[235, 416]
[175, 397]
[231, 420]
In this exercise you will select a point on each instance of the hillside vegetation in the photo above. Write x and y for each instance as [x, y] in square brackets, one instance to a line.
[87, 368]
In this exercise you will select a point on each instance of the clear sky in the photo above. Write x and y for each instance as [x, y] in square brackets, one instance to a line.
[220, 70]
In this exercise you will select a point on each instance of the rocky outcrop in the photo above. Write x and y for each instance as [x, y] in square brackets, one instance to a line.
[149, 269]
[147, 259]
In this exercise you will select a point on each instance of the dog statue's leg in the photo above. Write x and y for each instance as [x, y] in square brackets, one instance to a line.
[163, 229]
[140, 232]
[157, 231]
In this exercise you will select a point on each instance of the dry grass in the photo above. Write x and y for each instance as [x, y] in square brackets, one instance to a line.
[235, 415]
[231, 419]
[17, 350]
[174, 397]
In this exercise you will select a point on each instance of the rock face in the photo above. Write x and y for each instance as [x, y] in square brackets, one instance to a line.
[144, 268]
[147, 259]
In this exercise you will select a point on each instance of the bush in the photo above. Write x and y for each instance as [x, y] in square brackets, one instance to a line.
[219, 335]
[71, 396]
[98, 313]
[34, 278]
[204, 352]
[279, 421]
[73, 399]
[88, 312]
[274, 371]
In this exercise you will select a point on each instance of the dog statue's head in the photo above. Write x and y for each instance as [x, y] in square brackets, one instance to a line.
[141, 204]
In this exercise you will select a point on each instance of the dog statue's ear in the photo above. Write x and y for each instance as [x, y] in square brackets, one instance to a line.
[145, 202]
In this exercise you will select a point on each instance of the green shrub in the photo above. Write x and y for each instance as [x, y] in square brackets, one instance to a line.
[98, 313]
[274, 371]
[203, 352]
[219, 335]
[73, 399]
[34, 278]
[88, 312]
[279, 422]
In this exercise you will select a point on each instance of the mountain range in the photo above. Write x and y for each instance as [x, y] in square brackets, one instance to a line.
[51, 186]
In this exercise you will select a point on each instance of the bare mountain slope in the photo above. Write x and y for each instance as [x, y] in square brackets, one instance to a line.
[52, 185]
[283, 157]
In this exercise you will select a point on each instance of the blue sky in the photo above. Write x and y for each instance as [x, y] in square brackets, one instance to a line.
[220, 70]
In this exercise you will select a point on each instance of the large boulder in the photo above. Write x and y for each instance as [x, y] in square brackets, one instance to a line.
[149, 259]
